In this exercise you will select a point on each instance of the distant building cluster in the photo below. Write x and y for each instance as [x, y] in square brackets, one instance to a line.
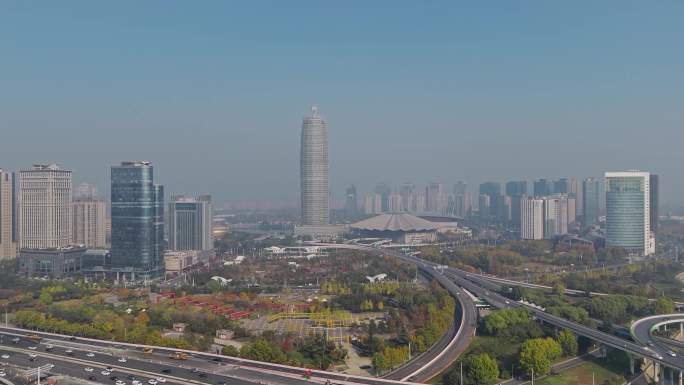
[57, 230]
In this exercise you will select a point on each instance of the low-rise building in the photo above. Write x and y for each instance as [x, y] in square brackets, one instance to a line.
[54, 263]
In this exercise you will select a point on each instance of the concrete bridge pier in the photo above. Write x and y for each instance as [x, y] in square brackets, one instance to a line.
[603, 351]
[656, 373]
[681, 378]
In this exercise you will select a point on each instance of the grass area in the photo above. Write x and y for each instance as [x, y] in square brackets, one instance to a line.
[581, 375]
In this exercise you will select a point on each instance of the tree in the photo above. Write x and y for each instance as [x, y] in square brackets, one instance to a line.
[568, 343]
[559, 289]
[664, 305]
[482, 369]
[537, 354]
[230, 350]
[45, 298]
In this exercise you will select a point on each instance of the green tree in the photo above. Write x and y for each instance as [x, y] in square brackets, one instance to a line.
[482, 369]
[536, 355]
[45, 297]
[568, 343]
[559, 289]
[230, 350]
[664, 305]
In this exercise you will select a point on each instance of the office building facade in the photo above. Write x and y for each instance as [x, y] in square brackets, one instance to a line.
[137, 219]
[315, 199]
[591, 192]
[555, 215]
[190, 223]
[45, 199]
[628, 211]
[8, 216]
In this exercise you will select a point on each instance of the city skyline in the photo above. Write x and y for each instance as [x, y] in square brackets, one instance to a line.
[441, 92]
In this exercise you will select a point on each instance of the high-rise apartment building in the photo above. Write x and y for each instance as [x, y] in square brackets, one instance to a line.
[137, 218]
[315, 199]
[460, 188]
[493, 191]
[45, 216]
[408, 196]
[532, 218]
[436, 198]
[384, 191]
[351, 202]
[628, 211]
[90, 218]
[555, 215]
[591, 196]
[190, 223]
[8, 216]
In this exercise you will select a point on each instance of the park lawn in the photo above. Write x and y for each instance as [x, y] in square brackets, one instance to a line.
[581, 375]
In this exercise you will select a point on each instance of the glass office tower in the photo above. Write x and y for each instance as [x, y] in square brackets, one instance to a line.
[591, 193]
[137, 219]
[628, 212]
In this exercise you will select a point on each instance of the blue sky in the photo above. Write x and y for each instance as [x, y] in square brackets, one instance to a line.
[214, 92]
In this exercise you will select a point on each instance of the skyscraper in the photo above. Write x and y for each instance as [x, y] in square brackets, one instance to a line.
[89, 218]
[436, 198]
[542, 187]
[137, 218]
[591, 195]
[555, 215]
[516, 190]
[351, 203]
[314, 171]
[8, 216]
[190, 223]
[45, 216]
[532, 218]
[493, 191]
[653, 191]
[628, 211]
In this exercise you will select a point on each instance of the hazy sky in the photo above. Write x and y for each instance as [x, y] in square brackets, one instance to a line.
[214, 92]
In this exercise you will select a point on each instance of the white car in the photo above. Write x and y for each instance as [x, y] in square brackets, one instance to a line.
[119, 382]
[671, 353]
[152, 382]
[5, 356]
[122, 360]
[90, 354]
[50, 366]
[161, 379]
[136, 382]
[88, 369]
[2, 374]
[105, 372]
[33, 347]
[33, 355]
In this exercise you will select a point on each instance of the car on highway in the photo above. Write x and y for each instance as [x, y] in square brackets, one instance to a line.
[105, 372]
[152, 381]
[88, 369]
[48, 348]
[122, 360]
[90, 354]
[15, 340]
[5, 356]
[33, 347]
[50, 366]
[69, 352]
[2, 373]
[119, 382]
[161, 379]
[32, 355]
[136, 382]
[671, 353]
